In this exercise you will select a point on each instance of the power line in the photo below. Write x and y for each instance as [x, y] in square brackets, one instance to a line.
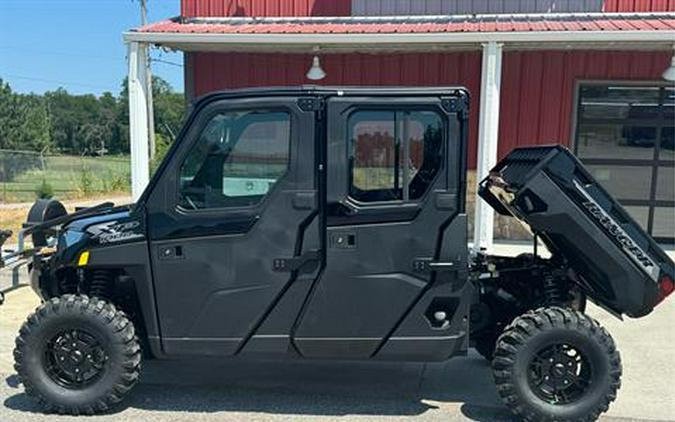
[167, 62]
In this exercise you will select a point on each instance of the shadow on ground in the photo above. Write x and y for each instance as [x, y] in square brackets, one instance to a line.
[462, 385]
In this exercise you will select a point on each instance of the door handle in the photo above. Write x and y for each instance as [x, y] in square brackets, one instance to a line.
[304, 200]
[170, 252]
[429, 265]
[436, 265]
[297, 262]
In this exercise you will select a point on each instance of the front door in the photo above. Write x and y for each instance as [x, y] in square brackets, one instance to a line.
[395, 187]
[232, 223]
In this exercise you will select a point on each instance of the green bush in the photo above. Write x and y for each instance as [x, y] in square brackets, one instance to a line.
[162, 145]
[119, 182]
[85, 182]
[44, 190]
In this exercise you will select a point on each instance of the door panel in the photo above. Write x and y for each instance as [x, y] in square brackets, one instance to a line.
[218, 266]
[408, 192]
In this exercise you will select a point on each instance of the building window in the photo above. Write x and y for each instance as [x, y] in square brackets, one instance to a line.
[236, 161]
[625, 135]
[394, 155]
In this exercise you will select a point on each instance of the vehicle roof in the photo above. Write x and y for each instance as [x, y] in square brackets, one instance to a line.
[332, 91]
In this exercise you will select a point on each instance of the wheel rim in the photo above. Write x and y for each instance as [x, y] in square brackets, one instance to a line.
[560, 374]
[75, 359]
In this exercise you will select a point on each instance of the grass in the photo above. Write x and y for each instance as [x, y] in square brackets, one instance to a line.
[70, 177]
[13, 216]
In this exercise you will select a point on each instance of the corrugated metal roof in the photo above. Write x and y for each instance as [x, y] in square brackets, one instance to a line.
[419, 24]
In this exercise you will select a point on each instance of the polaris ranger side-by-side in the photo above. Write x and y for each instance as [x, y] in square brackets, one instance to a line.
[329, 223]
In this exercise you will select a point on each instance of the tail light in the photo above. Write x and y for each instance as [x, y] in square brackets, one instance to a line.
[666, 287]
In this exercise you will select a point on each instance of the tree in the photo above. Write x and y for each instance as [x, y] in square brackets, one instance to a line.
[24, 124]
[24, 120]
[169, 107]
[82, 124]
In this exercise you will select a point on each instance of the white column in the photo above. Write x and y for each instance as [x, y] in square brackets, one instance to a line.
[488, 132]
[138, 119]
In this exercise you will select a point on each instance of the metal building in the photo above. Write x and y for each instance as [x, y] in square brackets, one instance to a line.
[588, 74]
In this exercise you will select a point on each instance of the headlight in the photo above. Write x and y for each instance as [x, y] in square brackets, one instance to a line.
[69, 238]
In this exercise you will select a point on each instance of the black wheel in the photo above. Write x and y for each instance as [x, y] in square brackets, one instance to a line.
[486, 342]
[556, 364]
[77, 355]
[44, 210]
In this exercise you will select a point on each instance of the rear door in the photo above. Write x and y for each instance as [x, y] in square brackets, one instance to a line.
[394, 184]
[231, 222]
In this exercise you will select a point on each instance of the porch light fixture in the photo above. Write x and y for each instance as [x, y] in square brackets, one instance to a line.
[316, 73]
[669, 73]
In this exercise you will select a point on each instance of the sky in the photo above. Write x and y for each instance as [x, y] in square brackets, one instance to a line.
[76, 44]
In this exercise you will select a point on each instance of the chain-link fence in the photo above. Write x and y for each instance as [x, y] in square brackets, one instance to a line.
[25, 175]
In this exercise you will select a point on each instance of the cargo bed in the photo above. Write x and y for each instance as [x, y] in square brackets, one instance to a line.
[619, 266]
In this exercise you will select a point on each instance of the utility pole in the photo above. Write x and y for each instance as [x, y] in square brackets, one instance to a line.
[148, 78]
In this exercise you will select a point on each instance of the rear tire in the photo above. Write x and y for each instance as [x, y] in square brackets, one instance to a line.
[486, 342]
[77, 355]
[556, 364]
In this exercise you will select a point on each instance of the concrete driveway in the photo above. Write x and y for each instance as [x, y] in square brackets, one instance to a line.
[459, 390]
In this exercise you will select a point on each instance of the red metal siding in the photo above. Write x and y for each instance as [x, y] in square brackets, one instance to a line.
[538, 89]
[260, 8]
[537, 86]
[639, 6]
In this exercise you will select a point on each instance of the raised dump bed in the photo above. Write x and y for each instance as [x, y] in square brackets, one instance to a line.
[548, 189]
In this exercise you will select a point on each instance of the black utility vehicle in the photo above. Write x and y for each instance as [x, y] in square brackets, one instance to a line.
[329, 223]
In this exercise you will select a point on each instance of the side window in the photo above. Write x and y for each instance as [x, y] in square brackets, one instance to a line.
[236, 161]
[394, 155]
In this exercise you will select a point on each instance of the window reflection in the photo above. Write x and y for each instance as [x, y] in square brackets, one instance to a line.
[669, 104]
[615, 141]
[623, 182]
[664, 222]
[665, 183]
[619, 102]
[626, 136]
[667, 150]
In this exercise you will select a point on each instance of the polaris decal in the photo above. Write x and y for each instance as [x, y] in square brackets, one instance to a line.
[613, 228]
[119, 232]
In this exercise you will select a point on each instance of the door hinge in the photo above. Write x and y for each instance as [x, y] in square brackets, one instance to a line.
[296, 263]
[459, 105]
[310, 104]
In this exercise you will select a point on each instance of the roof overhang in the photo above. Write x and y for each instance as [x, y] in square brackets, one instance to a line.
[653, 31]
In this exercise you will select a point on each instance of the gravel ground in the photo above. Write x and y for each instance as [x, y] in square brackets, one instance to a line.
[458, 390]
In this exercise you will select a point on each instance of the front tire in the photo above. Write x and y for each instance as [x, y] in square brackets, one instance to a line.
[556, 364]
[77, 355]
